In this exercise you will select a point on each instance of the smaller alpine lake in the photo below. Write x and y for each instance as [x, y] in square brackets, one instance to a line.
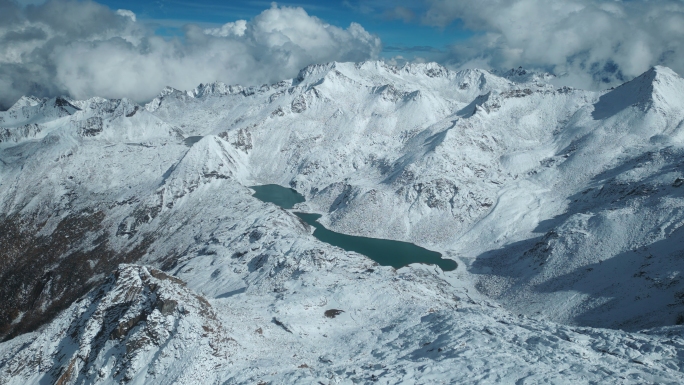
[383, 251]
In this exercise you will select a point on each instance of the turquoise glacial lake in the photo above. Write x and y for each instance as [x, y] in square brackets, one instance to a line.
[383, 251]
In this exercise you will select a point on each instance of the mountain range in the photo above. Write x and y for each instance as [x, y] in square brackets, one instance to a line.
[133, 251]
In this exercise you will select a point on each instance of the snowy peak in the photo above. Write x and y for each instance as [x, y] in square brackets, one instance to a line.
[432, 70]
[208, 160]
[342, 83]
[662, 72]
[314, 71]
[114, 119]
[480, 80]
[668, 87]
[659, 88]
[521, 75]
[25, 119]
[216, 88]
[64, 105]
[170, 91]
[102, 106]
[25, 101]
[166, 93]
[377, 73]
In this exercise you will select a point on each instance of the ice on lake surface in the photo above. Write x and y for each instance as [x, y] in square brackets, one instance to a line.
[383, 251]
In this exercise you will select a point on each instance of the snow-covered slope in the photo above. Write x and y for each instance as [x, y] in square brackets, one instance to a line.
[561, 204]
[469, 163]
[367, 133]
[139, 324]
[609, 255]
[327, 325]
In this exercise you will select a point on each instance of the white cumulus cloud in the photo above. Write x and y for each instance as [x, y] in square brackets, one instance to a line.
[126, 13]
[236, 28]
[84, 49]
[592, 43]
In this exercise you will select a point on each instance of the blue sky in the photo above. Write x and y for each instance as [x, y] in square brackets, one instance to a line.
[401, 34]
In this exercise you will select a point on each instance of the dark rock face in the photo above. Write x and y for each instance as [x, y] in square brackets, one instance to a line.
[43, 274]
[16, 134]
[132, 113]
[61, 102]
[90, 127]
[299, 105]
[332, 313]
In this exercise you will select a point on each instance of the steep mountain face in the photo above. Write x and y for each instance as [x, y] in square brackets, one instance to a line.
[132, 252]
[610, 256]
[59, 192]
[141, 323]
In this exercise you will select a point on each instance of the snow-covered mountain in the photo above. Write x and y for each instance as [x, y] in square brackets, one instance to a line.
[478, 167]
[133, 252]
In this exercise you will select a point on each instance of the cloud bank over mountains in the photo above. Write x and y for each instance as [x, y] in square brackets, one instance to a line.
[590, 42]
[83, 49]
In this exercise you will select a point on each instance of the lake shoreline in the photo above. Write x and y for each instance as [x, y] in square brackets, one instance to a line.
[383, 251]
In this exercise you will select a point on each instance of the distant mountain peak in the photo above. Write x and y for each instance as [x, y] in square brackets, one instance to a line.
[523, 75]
[659, 85]
[25, 101]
